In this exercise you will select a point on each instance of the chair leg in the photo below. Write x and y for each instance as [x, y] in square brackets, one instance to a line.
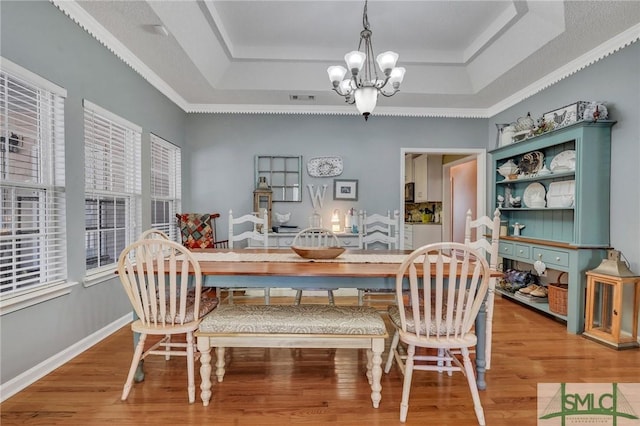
[331, 299]
[298, 297]
[137, 355]
[392, 349]
[360, 297]
[267, 296]
[406, 386]
[471, 379]
[191, 382]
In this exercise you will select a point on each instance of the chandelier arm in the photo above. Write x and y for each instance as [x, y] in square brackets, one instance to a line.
[380, 84]
[348, 98]
[388, 95]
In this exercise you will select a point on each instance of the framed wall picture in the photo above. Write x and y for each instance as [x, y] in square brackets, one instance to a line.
[345, 189]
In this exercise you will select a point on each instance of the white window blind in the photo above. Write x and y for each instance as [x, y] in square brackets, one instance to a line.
[32, 216]
[112, 186]
[166, 184]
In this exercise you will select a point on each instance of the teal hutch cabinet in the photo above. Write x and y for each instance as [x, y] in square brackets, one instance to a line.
[568, 229]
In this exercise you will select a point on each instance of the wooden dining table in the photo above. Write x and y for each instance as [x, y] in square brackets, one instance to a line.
[282, 268]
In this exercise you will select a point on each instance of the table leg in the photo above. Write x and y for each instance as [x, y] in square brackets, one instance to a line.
[139, 375]
[481, 333]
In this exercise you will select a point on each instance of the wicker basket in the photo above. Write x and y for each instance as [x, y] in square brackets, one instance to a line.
[558, 296]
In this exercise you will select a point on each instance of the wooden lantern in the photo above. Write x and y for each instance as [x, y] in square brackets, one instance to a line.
[262, 200]
[605, 311]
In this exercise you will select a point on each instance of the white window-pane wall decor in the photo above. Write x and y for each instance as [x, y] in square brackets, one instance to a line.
[32, 186]
[112, 186]
[166, 185]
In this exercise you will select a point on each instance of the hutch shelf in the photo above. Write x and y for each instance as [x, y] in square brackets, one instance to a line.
[571, 238]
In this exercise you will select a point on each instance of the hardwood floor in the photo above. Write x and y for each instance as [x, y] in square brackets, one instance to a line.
[319, 387]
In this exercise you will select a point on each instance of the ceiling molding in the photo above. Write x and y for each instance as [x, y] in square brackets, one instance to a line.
[605, 49]
[78, 15]
[337, 110]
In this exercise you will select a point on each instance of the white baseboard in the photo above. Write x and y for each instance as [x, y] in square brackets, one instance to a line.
[32, 375]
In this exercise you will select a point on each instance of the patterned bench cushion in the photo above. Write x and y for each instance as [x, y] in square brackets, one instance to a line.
[292, 319]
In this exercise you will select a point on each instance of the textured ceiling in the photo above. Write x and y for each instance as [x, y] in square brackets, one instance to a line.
[463, 58]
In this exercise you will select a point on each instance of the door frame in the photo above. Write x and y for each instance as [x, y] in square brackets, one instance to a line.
[480, 154]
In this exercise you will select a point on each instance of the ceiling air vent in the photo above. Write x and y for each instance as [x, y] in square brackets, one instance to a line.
[302, 98]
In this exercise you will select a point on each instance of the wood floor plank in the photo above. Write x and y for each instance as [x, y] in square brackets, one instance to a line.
[319, 386]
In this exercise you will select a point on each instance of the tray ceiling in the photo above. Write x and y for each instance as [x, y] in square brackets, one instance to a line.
[463, 58]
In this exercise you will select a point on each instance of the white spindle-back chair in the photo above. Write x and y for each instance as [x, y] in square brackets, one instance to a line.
[164, 284]
[447, 286]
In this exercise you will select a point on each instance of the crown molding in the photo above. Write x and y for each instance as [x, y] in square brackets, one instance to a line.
[78, 15]
[336, 110]
[612, 45]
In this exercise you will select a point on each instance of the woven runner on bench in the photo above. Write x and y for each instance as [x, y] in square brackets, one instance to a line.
[291, 319]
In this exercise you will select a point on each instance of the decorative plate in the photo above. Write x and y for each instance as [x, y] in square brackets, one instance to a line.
[531, 163]
[324, 166]
[561, 194]
[534, 195]
[564, 162]
[318, 252]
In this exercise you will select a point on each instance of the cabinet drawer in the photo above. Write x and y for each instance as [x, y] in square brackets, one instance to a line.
[522, 251]
[550, 257]
[348, 241]
[506, 249]
[284, 242]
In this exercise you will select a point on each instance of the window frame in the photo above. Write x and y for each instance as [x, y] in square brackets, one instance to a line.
[113, 147]
[39, 143]
[170, 164]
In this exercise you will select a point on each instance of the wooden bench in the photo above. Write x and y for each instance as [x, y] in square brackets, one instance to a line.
[291, 326]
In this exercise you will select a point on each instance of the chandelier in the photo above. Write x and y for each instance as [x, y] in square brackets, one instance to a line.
[363, 86]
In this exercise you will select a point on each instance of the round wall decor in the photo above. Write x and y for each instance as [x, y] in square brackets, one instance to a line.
[324, 166]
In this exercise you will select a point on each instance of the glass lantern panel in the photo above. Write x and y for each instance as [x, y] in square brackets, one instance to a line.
[603, 307]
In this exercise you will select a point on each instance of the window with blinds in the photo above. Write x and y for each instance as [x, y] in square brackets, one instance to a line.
[32, 216]
[166, 185]
[112, 186]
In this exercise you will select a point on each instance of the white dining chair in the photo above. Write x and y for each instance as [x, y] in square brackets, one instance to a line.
[315, 237]
[250, 226]
[483, 234]
[163, 282]
[447, 286]
[377, 231]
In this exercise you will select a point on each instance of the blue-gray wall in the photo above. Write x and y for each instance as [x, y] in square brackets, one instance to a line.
[40, 38]
[223, 147]
[218, 155]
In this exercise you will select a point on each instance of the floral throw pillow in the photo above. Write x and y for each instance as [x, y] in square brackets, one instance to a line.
[196, 230]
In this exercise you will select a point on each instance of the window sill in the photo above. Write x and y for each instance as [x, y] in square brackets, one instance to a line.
[99, 277]
[35, 296]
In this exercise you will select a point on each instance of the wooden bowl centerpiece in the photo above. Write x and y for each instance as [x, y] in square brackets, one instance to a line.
[318, 252]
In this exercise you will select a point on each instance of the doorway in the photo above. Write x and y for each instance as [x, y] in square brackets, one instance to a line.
[467, 191]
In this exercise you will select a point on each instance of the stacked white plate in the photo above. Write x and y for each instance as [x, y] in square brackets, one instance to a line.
[561, 194]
